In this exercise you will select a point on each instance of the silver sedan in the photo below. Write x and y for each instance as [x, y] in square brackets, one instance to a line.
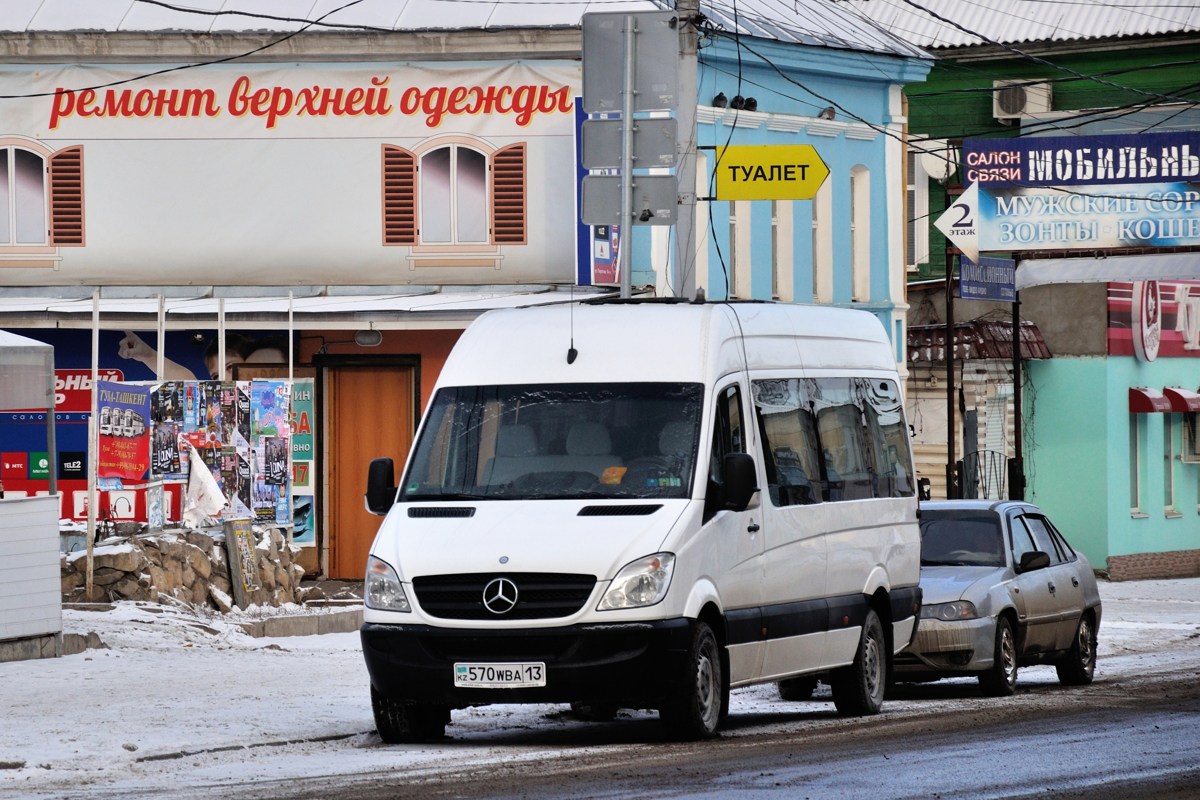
[1001, 589]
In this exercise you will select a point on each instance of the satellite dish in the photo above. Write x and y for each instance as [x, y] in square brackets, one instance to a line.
[938, 159]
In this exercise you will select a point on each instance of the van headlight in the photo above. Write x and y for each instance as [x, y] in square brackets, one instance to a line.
[383, 590]
[641, 583]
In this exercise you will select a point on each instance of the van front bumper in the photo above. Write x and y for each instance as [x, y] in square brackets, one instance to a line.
[629, 664]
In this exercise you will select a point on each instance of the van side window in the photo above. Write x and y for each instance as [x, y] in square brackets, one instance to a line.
[790, 443]
[729, 436]
[830, 439]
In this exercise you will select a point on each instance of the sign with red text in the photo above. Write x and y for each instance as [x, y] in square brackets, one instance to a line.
[244, 167]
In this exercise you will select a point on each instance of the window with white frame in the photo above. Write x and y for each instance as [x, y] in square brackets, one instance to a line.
[1169, 466]
[916, 214]
[1190, 452]
[782, 271]
[822, 243]
[860, 233]
[452, 193]
[1136, 421]
[41, 197]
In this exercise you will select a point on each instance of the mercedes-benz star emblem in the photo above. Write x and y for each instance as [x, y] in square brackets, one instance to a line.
[500, 596]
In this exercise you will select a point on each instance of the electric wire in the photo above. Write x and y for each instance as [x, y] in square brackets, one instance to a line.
[181, 67]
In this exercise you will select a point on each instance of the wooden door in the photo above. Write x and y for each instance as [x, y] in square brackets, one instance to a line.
[372, 414]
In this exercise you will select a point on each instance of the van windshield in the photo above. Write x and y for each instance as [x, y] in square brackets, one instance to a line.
[578, 440]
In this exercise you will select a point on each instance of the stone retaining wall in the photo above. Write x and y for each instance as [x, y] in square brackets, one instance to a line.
[183, 566]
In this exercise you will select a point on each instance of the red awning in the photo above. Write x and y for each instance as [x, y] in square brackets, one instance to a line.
[1147, 401]
[1182, 400]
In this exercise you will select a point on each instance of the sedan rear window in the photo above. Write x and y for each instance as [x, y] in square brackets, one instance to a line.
[958, 539]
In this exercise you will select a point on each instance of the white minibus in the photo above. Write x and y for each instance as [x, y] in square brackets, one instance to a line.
[646, 504]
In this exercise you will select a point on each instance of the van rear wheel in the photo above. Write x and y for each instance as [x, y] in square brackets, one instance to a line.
[697, 705]
[858, 688]
[404, 723]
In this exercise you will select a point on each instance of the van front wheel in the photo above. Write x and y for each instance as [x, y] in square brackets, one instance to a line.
[696, 708]
[403, 723]
[858, 688]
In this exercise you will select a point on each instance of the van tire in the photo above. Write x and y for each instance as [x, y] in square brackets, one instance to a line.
[858, 688]
[696, 706]
[797, 690]
[404, 723]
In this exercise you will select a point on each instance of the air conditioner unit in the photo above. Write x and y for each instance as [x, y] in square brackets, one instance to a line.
[1015, 99]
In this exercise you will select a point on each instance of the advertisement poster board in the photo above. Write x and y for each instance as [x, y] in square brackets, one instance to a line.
[124, 430]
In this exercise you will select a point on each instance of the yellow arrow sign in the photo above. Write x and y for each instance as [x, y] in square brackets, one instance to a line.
[769, 172]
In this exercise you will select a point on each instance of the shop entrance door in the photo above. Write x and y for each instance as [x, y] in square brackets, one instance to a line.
[372, 414]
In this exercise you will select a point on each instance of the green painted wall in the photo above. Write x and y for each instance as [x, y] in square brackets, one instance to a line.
[1077, 445]
[1067, 448]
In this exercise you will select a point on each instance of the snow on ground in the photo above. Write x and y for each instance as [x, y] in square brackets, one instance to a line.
[180, 700]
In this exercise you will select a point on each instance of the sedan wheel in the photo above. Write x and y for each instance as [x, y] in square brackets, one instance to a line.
[1079, 664]
[1001, 679]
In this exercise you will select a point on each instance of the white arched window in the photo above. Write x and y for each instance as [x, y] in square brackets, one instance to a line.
[453, 192]
[22, 197]
[41, 201]
[860, 233]
[822, 244]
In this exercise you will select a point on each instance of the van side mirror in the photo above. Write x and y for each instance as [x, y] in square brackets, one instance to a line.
[381, 486]
[741, 480]
[1033, 560]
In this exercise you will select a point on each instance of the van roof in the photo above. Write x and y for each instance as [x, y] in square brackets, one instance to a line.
[663, 341]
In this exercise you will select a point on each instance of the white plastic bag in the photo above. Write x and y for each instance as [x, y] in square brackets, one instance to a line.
[204, 497]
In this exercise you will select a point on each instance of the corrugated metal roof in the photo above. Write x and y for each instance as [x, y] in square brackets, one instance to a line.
[975, 339]
[811, 22]
[1021, 21]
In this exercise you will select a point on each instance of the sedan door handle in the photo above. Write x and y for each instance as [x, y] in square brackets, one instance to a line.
[752, 527]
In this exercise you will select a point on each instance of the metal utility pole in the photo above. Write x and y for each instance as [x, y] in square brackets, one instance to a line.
[627, 125]
[951, 467]
[1016, 467]
[684, 273]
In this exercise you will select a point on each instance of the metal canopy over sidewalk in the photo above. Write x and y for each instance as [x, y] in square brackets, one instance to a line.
[1150, 267]
[254, 307]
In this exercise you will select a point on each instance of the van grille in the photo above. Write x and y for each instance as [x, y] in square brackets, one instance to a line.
[539, 595]
[436, 512]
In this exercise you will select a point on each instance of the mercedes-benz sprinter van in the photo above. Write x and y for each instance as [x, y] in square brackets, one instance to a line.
[644, 505]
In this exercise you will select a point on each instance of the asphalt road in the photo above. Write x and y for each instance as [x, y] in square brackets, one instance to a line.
[1132, 734]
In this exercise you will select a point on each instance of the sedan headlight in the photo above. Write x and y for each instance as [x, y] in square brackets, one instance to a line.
[641, 583]
[950, 612]
[383, 589]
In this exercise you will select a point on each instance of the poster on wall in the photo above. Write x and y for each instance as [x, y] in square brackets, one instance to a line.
[123, 430]
[303, 462]
[1159, 317]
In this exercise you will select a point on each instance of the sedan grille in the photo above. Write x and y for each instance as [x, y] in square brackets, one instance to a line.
[538, 595]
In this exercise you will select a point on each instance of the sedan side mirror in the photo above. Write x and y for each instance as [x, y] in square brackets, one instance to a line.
[381, 486]
[1033, 560]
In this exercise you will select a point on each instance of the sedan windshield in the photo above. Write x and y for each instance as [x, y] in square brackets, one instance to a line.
[634, 440]
[955, 538]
